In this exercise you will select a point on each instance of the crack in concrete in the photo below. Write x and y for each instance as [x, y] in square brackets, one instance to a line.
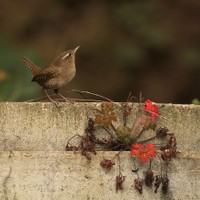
[5, 182]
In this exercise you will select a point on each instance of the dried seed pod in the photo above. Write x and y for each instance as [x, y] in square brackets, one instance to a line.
[107, 164]
[165, 184]
[162, 132]
[87, 145]
[169, 150]
[119, 182]
[172, 141]
[149, 177]
[138, 182]
[158, 181]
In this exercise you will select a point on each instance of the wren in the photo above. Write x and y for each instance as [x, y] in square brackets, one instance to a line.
[57, 74]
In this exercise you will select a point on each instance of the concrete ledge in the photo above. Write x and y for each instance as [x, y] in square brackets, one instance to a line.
[42, 127]
[34, 164]
[64, 175]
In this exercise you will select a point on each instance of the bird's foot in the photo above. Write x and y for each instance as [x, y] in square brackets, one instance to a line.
[57, 104]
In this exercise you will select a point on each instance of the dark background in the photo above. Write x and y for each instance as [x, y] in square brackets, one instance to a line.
[151, 46]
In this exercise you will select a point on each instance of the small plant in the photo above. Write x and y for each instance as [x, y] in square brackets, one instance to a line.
[121, 136]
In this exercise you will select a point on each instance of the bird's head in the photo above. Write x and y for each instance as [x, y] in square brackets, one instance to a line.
[65, 58]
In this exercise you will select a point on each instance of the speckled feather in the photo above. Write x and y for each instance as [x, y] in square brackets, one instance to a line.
[34, 68]
[46, 74]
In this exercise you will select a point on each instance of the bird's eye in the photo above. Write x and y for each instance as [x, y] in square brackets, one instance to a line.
[70, 54]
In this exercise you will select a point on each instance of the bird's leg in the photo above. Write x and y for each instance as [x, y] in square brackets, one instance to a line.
[66, 99]
[53, 101]
[57, 93]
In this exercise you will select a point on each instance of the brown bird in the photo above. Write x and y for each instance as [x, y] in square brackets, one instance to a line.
[60, 72]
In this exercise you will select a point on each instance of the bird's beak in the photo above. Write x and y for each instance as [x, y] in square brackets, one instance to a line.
[76, 49]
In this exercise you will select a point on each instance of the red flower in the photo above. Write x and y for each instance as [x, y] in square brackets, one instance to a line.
[152, 108]
[143, 153]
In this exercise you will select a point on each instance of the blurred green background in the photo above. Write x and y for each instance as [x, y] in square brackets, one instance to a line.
[151, 46]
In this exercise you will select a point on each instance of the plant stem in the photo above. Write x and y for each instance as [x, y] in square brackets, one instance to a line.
[137, 125]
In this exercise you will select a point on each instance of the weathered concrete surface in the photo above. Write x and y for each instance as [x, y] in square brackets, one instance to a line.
[41, 126]
[64, 175]
[34, 165]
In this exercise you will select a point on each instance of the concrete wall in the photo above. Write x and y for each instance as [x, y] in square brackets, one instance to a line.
[34, 164]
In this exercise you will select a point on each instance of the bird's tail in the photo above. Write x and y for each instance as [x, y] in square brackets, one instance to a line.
[34, 68]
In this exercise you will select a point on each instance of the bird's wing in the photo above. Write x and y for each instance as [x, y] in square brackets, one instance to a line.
[46, 74]
[34, 68]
